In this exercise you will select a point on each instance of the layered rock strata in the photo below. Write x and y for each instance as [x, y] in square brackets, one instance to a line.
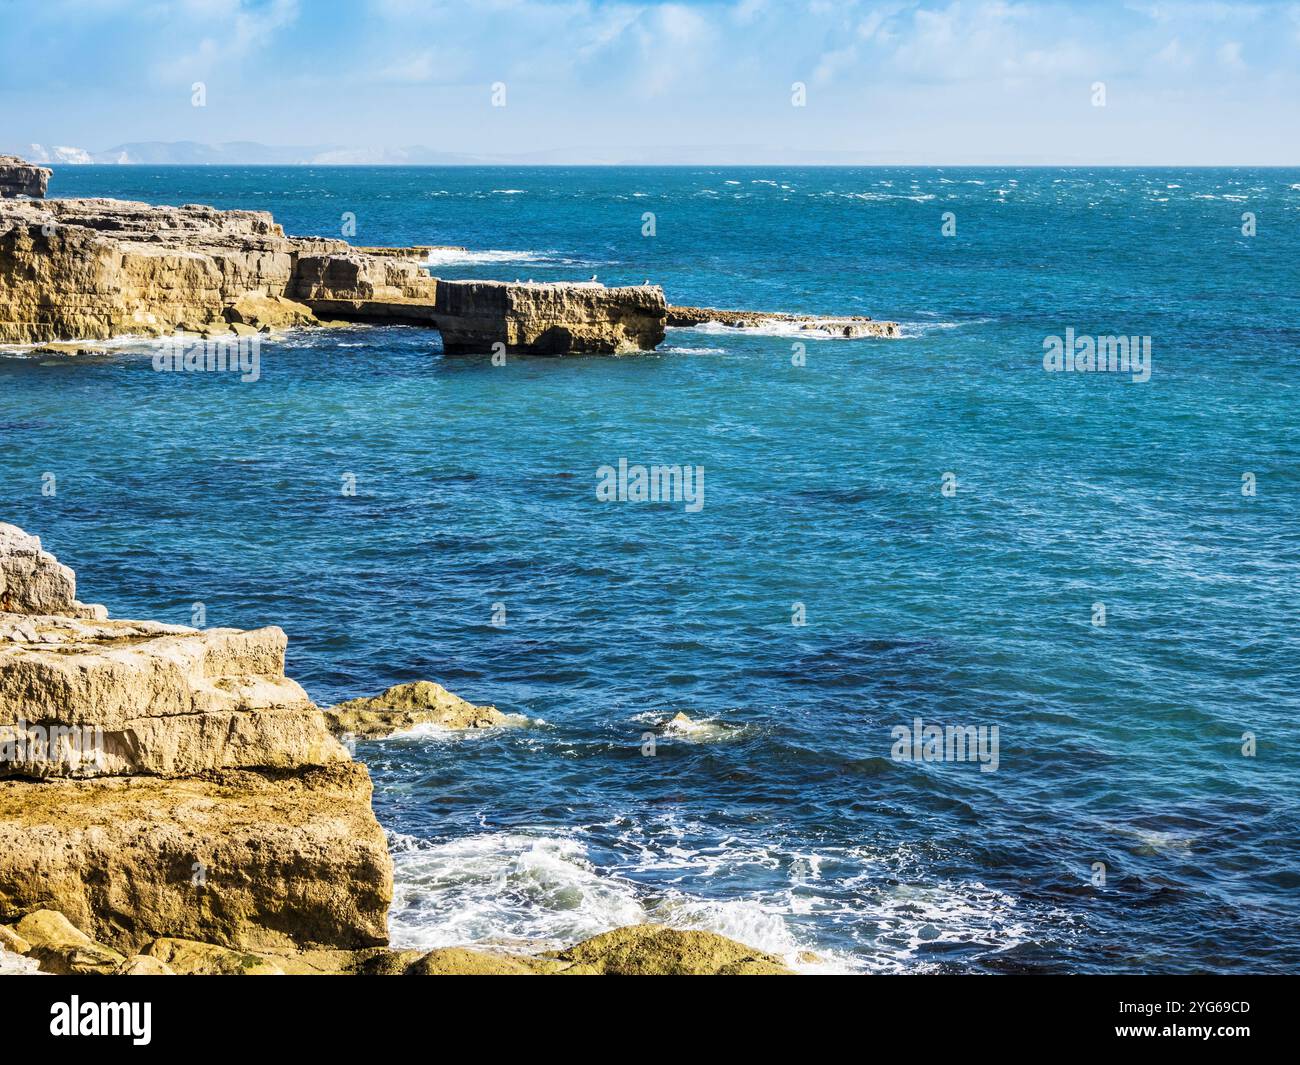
[159, 780]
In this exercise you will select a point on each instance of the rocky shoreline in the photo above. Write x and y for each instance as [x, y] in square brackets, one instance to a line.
[171, 802]
[92, 269]
[848, 328]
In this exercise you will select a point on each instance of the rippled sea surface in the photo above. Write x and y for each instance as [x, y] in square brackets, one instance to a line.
[1123, 829]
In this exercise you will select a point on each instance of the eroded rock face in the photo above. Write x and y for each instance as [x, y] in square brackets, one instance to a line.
[166, 781]
[550, 319]
[19, 178]
[93, 269]
[108, 698]
[33, 582]
[238, 858]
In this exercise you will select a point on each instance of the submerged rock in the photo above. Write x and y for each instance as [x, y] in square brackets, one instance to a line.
[653, 950]
[404, 706]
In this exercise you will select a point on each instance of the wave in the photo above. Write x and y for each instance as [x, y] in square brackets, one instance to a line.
[533, 891]
[16, 964]
[914, 330]
[515, 890]
[448, 256]
[766, 329]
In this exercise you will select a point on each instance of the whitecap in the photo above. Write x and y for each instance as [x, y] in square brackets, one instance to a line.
[450, 256]
[765, 329]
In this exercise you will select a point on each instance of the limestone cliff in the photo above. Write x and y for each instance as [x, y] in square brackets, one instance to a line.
[94, 269]
[91, 269]
[19, 178]
[160, 780]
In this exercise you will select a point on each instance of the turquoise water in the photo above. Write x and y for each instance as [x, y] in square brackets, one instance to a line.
[785, 822]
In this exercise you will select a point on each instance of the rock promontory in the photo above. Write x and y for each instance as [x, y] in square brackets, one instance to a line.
[20, 178]
[92, 269]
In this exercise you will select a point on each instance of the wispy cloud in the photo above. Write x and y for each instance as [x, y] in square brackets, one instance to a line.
[1012, 76]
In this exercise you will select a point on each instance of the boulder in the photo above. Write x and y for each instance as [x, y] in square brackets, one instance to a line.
[258, 312]
[461, 961]
[404, 706]
[11, 941]
[60, 947]
[654, 950]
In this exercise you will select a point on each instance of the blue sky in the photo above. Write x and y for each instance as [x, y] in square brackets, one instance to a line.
[994, 81]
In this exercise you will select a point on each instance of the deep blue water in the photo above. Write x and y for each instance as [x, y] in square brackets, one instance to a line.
[787, 823]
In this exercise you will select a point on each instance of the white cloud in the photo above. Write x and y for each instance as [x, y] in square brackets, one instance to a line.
[229, 31]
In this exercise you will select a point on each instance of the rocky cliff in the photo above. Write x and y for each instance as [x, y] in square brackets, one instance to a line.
[171, 803]
[91, 269]
[19, 178]
[165, 781]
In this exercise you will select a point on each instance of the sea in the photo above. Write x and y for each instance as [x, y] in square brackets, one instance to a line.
[991, 659]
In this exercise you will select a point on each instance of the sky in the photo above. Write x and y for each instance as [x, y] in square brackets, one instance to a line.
[1183, 82]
